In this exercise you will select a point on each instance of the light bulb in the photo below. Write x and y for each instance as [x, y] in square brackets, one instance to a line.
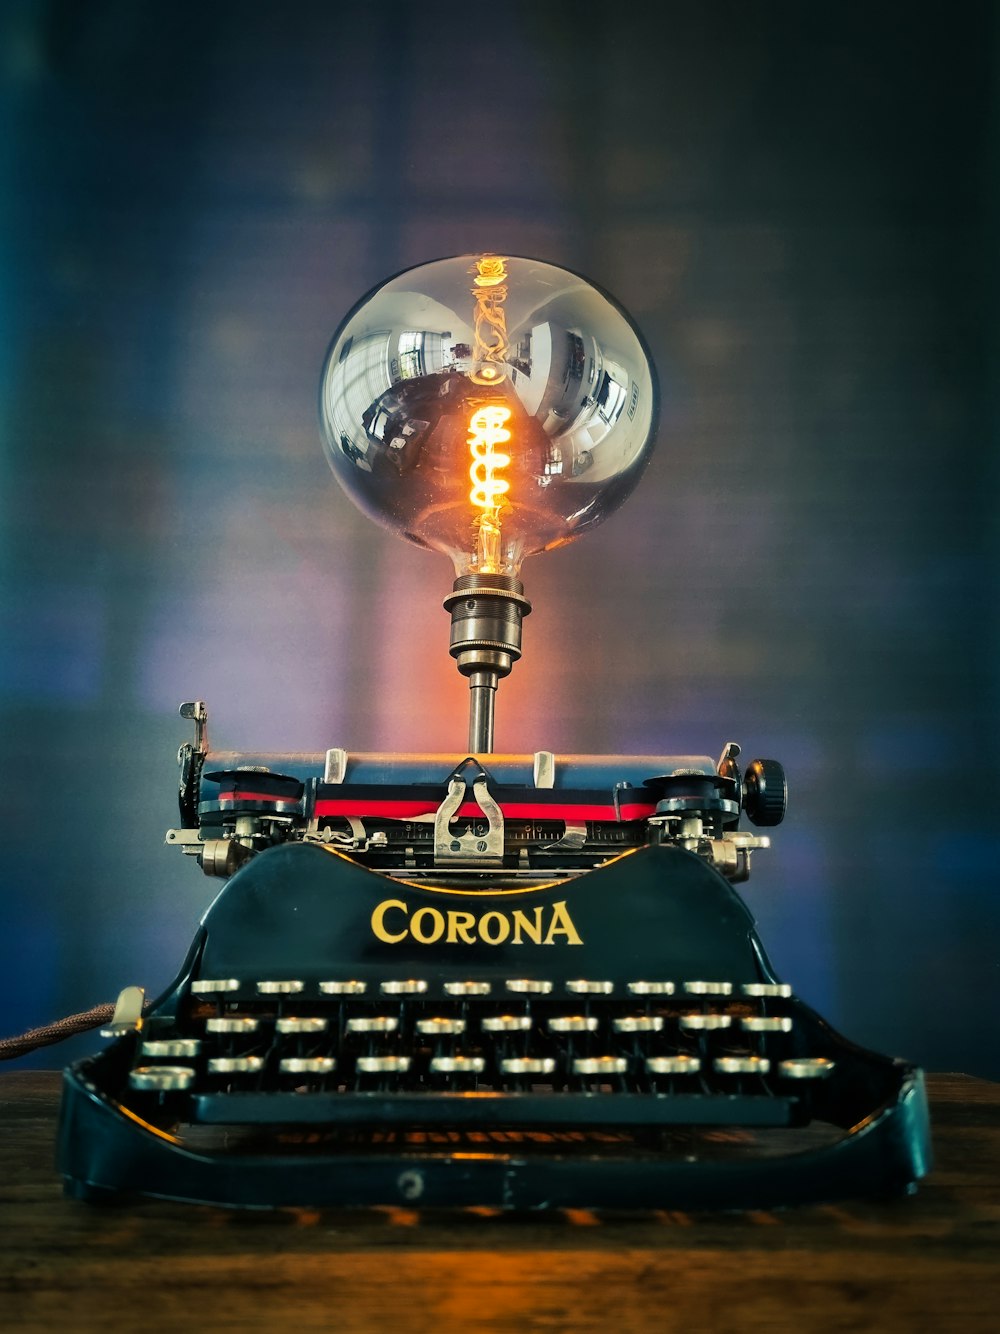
[488, 407]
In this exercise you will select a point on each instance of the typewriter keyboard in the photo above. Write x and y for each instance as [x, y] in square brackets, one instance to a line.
[284, 1050]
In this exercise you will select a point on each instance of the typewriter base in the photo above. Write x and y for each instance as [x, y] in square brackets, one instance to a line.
[108, 1159]
[718, 1141]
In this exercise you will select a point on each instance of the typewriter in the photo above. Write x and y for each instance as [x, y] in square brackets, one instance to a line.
[475, 978]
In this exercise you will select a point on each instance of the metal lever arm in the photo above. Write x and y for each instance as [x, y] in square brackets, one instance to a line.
[470, 848]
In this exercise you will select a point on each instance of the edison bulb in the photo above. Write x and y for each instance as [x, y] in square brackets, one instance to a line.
[488, 407]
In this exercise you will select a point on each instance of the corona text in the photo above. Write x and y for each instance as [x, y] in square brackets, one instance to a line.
[393, 922]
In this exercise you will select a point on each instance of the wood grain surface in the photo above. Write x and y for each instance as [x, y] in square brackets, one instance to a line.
[931, 1262]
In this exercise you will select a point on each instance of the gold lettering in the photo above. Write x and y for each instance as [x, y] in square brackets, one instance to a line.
[460, 927]
[503, 928]
[533, 930]
[437, 926]
[429, 925]
[378, 921]
[562, 925]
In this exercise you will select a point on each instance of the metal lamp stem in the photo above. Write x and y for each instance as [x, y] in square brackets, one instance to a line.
[486, 615]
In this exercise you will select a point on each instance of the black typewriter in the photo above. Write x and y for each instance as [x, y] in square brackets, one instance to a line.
[478, 979]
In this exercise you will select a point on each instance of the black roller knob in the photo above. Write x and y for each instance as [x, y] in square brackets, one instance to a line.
[765, 792]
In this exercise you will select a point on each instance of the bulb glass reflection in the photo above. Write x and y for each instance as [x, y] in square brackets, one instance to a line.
[488, 407]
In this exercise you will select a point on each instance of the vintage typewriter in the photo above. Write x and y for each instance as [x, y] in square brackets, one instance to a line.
[478, 979]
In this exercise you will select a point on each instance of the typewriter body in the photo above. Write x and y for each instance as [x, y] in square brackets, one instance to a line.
[518, 981]
[508, 981]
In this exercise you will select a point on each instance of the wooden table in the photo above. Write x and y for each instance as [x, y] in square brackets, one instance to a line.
[927, 1263]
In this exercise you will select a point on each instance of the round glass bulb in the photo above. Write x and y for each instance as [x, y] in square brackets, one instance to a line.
[488, 407]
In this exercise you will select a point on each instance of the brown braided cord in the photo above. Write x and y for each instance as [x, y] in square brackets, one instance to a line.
[11, 1048]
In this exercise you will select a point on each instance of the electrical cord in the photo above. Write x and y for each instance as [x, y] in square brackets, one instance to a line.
[48, 1034]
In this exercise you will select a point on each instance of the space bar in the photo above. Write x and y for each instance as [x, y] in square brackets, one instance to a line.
[485, 1109]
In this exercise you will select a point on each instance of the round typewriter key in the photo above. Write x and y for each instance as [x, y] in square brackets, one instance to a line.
[766, 989]
[638, 1023]
[290, 988]
[235, 1065]
[380, 1065]
[307, 1065]
[234, 1023]
[161, 1078]
[410, 986]
[742, 1065]
[212, 986]
[528, 986]
[573, 1023]
[600, 1065]
[348, 988]
[506, 1023]
[705, 1023]
[467, 988]
[171, 1047]
[528, 1065]
[581, 987]
[708, 988]
[454, 1065]
[443, 1026]
[651, 988]
[767, 1023]
[807, 1067]
[307, 1024]
[378, 1023]
[673, 1065]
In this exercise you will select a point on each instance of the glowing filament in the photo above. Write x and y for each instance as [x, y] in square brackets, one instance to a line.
[487, 430]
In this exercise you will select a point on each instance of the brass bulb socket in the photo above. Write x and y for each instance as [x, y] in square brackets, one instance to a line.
[486, 615]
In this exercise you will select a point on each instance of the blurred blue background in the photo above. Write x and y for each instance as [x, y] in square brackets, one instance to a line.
[797, 203]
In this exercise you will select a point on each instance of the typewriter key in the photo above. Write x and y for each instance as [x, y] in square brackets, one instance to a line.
[350, 988]
[443, 1026]
[378, 1023]
[767, 1023]
[580, 987]
[527, 986]
[506, 1023]
[742, 1065]
[235, 1065]
[651, 988]
[307, 1065]
[528, 1065]
[209, 987]
[708, 988]
[171, 1047]
[280, 988]
[573, 1023]
[673, 1065]
[161, 1078]
[704, 1023]
[467, 988]
[410, 986]
[600, 1065]
[454, 1065]
[380, 1065]
[766, 989]
[308, 1024]
[806, 1067]
[638, 1023]
[235, 1023]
